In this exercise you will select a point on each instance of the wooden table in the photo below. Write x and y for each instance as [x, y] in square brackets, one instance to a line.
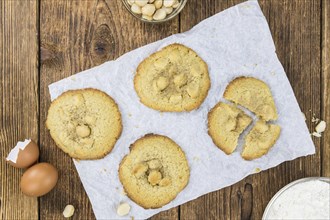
[47, 40]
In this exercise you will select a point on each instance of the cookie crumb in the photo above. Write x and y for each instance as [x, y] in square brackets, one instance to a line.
[257, 170]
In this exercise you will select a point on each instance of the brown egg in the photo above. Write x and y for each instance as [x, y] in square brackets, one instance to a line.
[26, 157]
[39, 179]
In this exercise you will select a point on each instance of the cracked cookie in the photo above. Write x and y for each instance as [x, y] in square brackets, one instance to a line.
[174, 79]
[225, 124]
[260, 139]
[84, 123]
[252, 94]
[154, 172]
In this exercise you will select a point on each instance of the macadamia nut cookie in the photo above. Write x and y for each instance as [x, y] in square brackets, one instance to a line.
[254, 95]
[225, 124]
[174, 79]
[84, 123]
[154, 172]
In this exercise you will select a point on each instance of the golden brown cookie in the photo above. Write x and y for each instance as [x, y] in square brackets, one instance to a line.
[254, 95]
[154, 172]
[174, 79]
[84, 123]
[225, 124]
[260, 139]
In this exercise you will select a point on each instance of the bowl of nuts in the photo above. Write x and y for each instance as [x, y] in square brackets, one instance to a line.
[154, 11]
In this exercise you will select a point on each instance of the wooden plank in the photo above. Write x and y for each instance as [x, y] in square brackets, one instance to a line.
[325, 85]
[295, 26]
[79, 35]
[19, 99]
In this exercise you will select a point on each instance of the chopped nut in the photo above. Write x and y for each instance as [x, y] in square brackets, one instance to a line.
[162, 83]
[136, 9]
[160, 14]
[315, 119]
[320, 127]
[180, 79]
[140, 169]
[148, 9]
[141, 3]
[158, 4]
[195, 73]
[154, 177]
[165, 181]
[315, 134]
[154, 164]
[168, 3]
[193, 91]
[123, 209]
[68, 211]
[151, 1]
[304, 115]
[176, 98]
[83, 131]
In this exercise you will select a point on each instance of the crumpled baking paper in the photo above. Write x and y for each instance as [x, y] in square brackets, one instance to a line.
[233, 43]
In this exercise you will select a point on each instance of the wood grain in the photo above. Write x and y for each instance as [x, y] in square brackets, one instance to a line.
[297, 39]
[78, 36]
[325, 155]
[19, 99]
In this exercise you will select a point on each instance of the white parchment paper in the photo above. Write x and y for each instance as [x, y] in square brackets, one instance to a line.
[234, 42]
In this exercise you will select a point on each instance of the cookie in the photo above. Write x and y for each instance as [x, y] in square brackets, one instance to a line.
[174, 79]
[225, 124]
[154, 172]
[260, 139]
[254, 95]
[84, 123]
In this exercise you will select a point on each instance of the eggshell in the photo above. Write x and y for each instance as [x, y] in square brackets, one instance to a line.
[27, 156]
[39, 179]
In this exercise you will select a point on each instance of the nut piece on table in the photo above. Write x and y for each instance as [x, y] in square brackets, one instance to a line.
[68, 211]
[320, 127]
[123, 209]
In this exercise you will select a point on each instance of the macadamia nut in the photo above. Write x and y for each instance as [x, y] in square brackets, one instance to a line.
[160, 14]
[140, 169]
[83, 131]
[136, 9]
[154, 177]
[148, 9]
[68, 211]
[123, 209]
